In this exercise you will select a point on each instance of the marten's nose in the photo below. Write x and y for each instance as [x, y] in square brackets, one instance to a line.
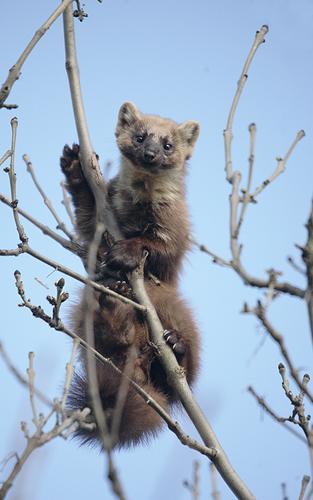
[149, 155]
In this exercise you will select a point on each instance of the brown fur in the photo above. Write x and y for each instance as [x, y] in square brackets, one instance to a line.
[148, 200]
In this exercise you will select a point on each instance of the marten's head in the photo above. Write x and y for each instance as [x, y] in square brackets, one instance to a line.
[152, 143]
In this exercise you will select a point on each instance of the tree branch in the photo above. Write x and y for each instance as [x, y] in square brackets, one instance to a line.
[73, 247]
[64, 425]
[89, 161]
[20, 377]
[260, 312]
[228, 134]
[176, 378]
[307, 256]
[60, 224]
[261, 401]
[15, 71]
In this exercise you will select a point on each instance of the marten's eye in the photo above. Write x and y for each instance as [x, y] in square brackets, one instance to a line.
[167, 146]
[139, 138]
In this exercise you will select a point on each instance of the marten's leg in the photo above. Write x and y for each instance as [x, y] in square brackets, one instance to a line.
[82, 197]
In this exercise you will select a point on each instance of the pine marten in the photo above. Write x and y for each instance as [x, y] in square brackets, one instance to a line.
[147, 198]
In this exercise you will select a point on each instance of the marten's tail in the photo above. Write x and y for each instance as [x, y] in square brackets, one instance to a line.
[138, 423]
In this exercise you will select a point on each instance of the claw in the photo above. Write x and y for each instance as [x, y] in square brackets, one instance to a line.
[173, 338]
[166, 334]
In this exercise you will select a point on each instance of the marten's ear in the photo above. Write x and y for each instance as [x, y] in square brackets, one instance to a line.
[128, 115]
[189, 131]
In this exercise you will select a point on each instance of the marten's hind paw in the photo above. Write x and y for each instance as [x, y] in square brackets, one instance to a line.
[174, 339]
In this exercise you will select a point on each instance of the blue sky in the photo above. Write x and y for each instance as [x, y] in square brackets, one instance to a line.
[178, 59]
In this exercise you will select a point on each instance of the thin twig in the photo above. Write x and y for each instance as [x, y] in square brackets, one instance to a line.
[284, 491]
[215, 258]
[194, 486]
[60, 224]
[64, 425]
[31, 384]
[281, 164]
[79, 417]
[246, 195]
[15, 70]
[67, 204]
[93, 385]
[5, 156]
[228, 135]
[20, 377]
[296, 266]
[298, 415]
[22, 236]
[261, 401]
[69, 245]
[304, 483]
[307, 257]
[215, 492]
[260, 312]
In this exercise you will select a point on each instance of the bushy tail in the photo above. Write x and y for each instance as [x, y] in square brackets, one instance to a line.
[139, 421]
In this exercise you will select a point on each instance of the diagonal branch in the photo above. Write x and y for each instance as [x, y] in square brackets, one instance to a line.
[20, 377]
[281, 165]
[263, 404]
[15, 71]
[260, 312]
[73, 247]
[176, 378]
[60, 224]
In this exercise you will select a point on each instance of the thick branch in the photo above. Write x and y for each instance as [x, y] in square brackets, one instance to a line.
[89, 161]
[177, 380]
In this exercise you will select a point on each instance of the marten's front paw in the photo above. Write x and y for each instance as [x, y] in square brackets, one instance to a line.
[122, 288]
[175, 340]
[70, 165]
[125, 255]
